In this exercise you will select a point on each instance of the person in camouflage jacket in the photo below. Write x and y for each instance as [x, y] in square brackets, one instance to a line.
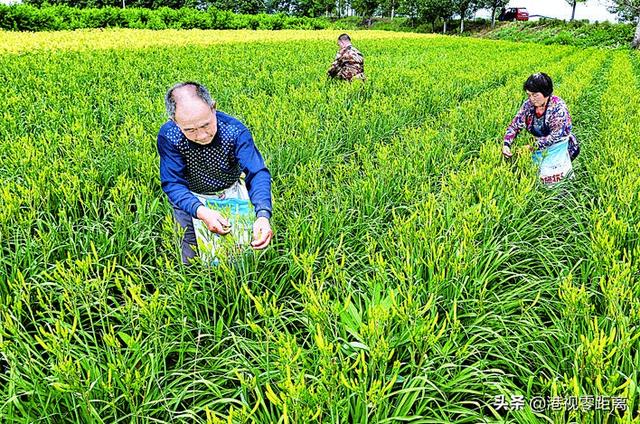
[349, 62]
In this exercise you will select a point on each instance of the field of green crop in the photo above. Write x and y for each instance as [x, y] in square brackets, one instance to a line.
[414, 276]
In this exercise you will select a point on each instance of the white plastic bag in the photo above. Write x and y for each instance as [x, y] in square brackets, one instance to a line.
[554, 163]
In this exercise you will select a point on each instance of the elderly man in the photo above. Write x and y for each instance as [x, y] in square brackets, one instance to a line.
[349, 62]
[204, 152]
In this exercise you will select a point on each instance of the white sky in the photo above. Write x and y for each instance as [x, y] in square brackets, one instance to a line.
[594, 10]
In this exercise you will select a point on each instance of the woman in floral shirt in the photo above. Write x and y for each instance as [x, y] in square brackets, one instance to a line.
[545, 116]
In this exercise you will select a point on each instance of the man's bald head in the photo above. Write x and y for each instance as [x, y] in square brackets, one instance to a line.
[190, 106]
[187, 95]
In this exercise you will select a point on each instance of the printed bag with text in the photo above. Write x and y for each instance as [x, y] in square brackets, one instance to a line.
[554, 163]
[233, 203]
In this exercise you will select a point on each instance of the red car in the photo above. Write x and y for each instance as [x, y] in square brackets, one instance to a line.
[514, 14]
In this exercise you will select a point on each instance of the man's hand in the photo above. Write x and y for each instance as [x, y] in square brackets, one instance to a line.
[262, 233]
[506, 152]
[333, 70]
[213, 220]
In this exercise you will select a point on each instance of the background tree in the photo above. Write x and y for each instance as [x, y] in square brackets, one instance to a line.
[343, 7]
[629, 11]
[389, 8]
[433, 10]
[466, 9]
[309, 8]
[573, 4]
[366, 9]
[409, 9]
[494, 6]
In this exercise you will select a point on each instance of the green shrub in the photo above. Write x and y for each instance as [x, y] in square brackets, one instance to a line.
[52, 18]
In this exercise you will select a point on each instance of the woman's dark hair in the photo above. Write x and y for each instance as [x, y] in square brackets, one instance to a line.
[539, 83]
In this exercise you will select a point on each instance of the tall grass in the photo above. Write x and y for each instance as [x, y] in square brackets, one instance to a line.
[414, 274]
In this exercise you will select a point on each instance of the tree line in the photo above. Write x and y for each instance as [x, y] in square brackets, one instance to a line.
[432, 12]
[422, 11]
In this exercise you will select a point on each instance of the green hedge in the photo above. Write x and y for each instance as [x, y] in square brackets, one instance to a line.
[54, 18]
[577, 33]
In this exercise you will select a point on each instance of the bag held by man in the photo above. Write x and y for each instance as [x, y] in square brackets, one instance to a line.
[234, 205]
